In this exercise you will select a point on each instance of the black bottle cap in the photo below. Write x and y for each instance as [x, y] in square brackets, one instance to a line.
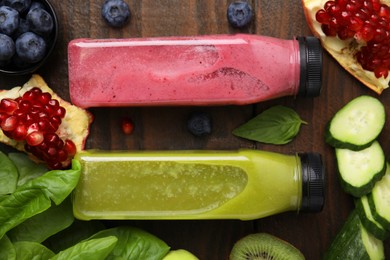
[310, 52]
[313, 182]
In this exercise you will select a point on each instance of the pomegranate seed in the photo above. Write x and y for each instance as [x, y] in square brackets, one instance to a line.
[9, 123]
[20, 132]
[62, 155]
[44, 98]
[127, 126]
[24, 105]
[381, 72]
[70, 147]
[8, 105]
[322, 17]
[355, 24]
[60, 111]
[329, 4]
[54, 103]
[34, 138]
[3, 116]
[32, 128]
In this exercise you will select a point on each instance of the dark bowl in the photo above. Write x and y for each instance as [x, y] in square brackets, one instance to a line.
[12, 69]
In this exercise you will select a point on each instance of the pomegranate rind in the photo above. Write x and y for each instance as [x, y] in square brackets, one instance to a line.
[343, 50]
[75, 125]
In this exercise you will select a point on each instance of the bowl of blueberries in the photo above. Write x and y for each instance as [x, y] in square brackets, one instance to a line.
[28, 34]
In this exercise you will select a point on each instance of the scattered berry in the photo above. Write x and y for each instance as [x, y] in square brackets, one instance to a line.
[9, 20]
[30, 47]
[40, 21]
[127, 126]
[239, 14]
[116, 12]
[199, 124]
[7, 47]
[19, 5]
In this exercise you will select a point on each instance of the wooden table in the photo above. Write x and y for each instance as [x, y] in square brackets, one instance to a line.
[165, 128]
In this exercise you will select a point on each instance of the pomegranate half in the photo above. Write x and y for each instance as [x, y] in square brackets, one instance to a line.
[357, 34]
[36, 120]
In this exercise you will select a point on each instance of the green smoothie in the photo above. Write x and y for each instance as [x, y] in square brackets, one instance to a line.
[244, 184]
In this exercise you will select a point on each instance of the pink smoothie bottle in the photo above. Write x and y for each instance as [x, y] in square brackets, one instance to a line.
[203, 70]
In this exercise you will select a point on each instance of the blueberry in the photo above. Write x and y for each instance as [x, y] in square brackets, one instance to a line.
[199, 124]
[116, 12]
[239, 14]
[7, 48]
[22, 28]
[9, 20]
[40, 21]
[30, 47]
[35, 4]
[19, 5]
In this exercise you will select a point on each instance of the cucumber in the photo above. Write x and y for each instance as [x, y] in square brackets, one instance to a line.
[379, 200]
[357, 124]
[354, 242]
[367, 219]
[360, 170]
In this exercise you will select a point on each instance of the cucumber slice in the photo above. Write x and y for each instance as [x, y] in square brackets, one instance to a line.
[367, 219]
[360, 170]
[379, 200]
[357, 124]
[354, 242]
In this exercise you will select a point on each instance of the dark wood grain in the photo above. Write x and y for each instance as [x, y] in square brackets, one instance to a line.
[164, 128]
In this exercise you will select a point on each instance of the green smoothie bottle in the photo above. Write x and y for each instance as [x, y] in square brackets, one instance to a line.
[243, 184]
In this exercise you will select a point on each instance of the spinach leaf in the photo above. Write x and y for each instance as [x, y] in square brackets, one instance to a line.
[95, 249]
[56, 184]
[39, 227]
[134, 243]
[276, 125]
[8, 175]
[26, 250]
[19, 206]
[34, 197]
[78, 231]
[7, 249]
[27, 168]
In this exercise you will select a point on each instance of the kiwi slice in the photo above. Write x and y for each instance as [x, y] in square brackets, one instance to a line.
[264, 246]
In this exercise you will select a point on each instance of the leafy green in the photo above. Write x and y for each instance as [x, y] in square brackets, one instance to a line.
[27, 168]
[8, 175]
[7, 249]
[56, 184]
[39, 227]
[96, 249]
[134, 243]
[34, 196]
[26, 250]
[78, 231]
[19, 206]
[276, 125]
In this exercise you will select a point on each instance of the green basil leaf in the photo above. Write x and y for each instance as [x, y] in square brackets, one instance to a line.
[39, 227]
[56, 184]
[26, 250]
[27, 168]
[8, 175]
[134, 243]
[19, 206]
[276, 125]
[7, 249]
[78, 231]
[95, 249]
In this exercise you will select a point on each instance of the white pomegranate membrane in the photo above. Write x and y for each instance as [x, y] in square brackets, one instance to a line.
[367, 22]
[34, 119]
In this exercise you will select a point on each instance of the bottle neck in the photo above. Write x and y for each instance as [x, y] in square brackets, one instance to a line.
[312, 181]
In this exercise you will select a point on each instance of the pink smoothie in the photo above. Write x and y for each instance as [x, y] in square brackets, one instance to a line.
[202, 70]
